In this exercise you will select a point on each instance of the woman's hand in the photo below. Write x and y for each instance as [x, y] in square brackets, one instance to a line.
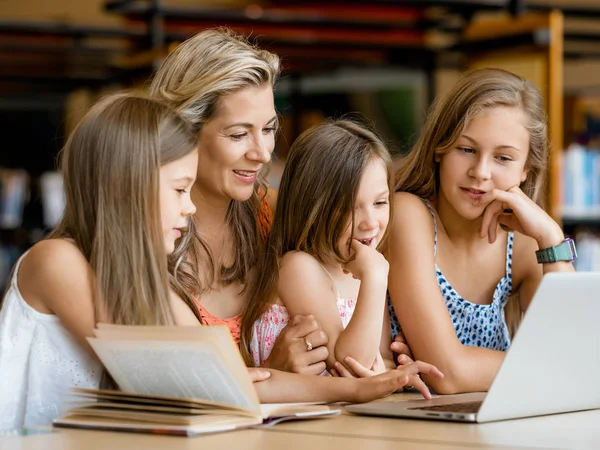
[513, 209]
[300, 348]
[378, 386]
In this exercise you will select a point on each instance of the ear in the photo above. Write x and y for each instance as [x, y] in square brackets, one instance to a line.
[524, 175]
[437, 158]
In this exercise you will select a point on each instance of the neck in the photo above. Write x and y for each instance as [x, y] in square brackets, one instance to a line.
[456, 226]
[211, 211]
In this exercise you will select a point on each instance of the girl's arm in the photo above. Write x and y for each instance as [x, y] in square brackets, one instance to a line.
[421, 309]
[305, 289]
[361, 338]
[55, 278]
[285, 387]
[539, 231]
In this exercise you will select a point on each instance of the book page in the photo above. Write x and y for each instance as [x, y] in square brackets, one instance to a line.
[181, 369]
[217, 333]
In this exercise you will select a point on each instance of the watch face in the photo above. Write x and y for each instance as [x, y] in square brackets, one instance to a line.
[570, 243]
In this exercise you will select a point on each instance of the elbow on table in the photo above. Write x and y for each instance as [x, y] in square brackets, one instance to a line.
[455, 380]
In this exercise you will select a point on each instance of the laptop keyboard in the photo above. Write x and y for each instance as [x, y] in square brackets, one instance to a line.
[468, 407]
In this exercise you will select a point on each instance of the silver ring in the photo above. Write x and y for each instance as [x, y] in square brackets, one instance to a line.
[308, 345]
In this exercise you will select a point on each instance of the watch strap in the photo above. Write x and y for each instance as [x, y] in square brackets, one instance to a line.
[565, 251]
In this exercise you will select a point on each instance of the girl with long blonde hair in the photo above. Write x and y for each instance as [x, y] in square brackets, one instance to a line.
[128, 169]
[468, 232]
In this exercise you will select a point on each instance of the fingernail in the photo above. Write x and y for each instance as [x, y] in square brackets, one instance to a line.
[347, 359]
[336, 364]
[265, 374]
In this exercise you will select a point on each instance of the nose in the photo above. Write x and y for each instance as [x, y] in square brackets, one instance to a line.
[367, 220]
[261, 149]
[481, 169]
[189, 208]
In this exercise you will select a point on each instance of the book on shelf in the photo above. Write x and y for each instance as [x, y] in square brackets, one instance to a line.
[175, 380]
[581, 183]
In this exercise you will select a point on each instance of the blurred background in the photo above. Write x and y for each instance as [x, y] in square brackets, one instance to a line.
[387, 59]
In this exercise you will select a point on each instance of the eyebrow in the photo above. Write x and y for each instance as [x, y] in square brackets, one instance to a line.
[500, 147]
[386, 192]
[249, 125]
[186, 179]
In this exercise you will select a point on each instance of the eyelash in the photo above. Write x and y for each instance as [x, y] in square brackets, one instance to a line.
[239, 137]
[381, 202]
[470, 151]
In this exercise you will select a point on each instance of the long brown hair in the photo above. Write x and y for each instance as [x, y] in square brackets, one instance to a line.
[110, 166]
[315, 204]
[447, 119]
[193, 79]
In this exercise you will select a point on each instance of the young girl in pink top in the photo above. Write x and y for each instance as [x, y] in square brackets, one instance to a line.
[322, 255]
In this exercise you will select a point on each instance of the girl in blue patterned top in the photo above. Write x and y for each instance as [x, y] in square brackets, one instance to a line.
[476, 171]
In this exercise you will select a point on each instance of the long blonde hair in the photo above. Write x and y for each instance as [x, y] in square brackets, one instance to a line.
[447, 119]
[193, 79]
[110, 166]
[314, 206]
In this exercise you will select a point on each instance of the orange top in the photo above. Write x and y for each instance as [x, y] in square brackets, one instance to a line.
[265, 219]
[233, 323]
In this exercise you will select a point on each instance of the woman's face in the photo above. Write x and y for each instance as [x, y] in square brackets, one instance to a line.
[236, 143]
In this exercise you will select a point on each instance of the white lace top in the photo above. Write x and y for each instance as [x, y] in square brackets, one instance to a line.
[39, 361]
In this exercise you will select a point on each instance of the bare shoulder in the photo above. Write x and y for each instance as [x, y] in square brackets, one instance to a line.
[411, 218]
[300, 263]
[52, 257]
[301, 276]
[50, 266]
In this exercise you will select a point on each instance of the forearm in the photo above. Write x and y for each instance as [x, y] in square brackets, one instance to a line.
[284, 387]
[469, 369]
[362, 337]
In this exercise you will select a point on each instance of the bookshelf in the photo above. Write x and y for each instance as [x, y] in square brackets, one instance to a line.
[316, 40]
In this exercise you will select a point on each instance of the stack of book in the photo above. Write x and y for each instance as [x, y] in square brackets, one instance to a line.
[176, 380]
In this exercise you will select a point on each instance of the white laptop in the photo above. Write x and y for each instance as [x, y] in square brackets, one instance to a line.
[552, 366]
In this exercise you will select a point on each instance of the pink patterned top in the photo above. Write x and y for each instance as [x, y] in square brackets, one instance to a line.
[267, 328]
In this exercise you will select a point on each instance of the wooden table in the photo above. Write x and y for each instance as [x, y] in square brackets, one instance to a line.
[348, 432]
[579, 430]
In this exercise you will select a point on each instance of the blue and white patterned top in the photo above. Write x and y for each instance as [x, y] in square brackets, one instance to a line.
[476, 325]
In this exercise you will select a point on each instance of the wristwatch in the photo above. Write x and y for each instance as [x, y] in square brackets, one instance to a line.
[565, 251]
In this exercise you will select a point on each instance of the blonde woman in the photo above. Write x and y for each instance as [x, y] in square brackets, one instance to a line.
[128, 170]
[224, 87]
[467, 226]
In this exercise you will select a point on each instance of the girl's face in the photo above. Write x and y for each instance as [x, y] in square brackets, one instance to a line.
[491, 153]
[236, 143]
[372, 208]
[176, 180]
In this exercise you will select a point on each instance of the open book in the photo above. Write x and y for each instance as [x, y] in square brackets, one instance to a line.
[175, 380]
